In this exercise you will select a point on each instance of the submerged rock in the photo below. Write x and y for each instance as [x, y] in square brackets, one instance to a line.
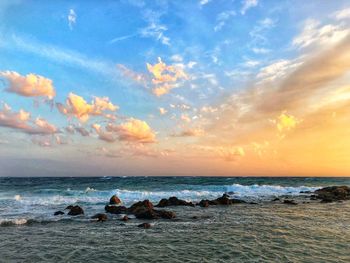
[112, 209]
[115, 200]
[145, 225]
[173, 201]
[75, 210]
[58, 213]
[100, 217]
[333, 193]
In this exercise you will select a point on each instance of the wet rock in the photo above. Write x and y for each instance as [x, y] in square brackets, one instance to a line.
[333, 193]
[173, 201]
[145, 225]
[154, 214]
[305, 192]
[114, 200]
[75, 210]
[194, 217]
[125, 218]
[223, 200]
[69, 207]
[141, 205]
[276, 199]
[289, 202]
[112, 209]
[100, 217]
[58, 213]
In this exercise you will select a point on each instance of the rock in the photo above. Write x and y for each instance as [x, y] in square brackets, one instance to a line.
[333, 193]
[154, 214]
[125, 218]
[173, 201]
[289, 202]
[115, 200]
[144, 210]
[69, 207]
[145, 225]
[204, 203]
[305, 192]
[223, 200]
[100, 217]
[112, 209]
[276, 199]
[141, 205]
[75, 210]
[58, 213]
[194, 217]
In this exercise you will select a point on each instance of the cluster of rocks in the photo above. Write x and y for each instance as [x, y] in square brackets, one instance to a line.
[332, 194]
[146, 210]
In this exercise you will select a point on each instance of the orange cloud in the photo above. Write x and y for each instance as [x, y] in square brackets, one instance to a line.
[30, 85]
[133, 130]
[76, 106]
[22, 121]
[165, 77]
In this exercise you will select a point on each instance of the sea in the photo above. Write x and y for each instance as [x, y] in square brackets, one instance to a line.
[257, 231]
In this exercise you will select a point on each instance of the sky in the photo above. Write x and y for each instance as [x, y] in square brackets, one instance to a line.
[196, 87]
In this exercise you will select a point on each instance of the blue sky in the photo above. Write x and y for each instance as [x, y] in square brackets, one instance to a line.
[213, 50]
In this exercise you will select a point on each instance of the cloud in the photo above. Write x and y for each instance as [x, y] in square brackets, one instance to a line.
[137, 77]
[30, 85]
[190, 133]
[162, 111]
[248, 4]
[222, 18]
[204, 2]
[83, 132]
[72, 18]
[103, 134]
[316, 34]
[22, 121]
[156, 31]
[133, 130]
[77, 107]
[342, 14]
[165, 77]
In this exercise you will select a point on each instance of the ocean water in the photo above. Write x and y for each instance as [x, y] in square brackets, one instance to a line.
[263, 232]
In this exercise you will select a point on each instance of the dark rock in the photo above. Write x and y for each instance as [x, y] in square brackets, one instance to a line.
[112, 209]
[305, 192]
[75, 210]
[289, 202]
[194, 217]
[173, 201]
[58, 213]
[204, 203]
[114, 200]
[141, 205]
[276, 199]
[333, 193]
[154, 214]
[125, 218]
[223, 200]
[69, 207]
[100, 217]
[145, 225]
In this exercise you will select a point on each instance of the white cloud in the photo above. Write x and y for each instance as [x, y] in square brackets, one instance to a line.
[248, 4]
[342, 14]
[72, 18]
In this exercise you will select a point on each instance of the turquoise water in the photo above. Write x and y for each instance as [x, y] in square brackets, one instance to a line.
[265, 232]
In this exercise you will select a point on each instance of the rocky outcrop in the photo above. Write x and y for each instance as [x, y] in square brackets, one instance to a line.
[333, 193]
[58, 213]
[145, 210]
[173, 201]
[114, 200]
[223, 200]
[112, 209]
[100, 217]
[141, 205]
[289, 202]
[75, 210]
[145, 225]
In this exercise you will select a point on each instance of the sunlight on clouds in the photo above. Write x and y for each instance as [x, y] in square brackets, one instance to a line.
[30, 85]
[165, 76]
[76, 106]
